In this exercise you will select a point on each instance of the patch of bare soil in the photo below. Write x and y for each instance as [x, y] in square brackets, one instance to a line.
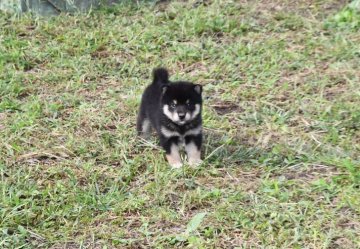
[312, 172]
[75, 245]
[337, 89]
[308, 8]
[341, 243]
[225, 107]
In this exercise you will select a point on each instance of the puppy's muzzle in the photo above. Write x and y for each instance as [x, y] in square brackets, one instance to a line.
[181, 115]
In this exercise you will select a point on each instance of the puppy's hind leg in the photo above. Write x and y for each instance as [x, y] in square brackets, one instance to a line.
[143, 126]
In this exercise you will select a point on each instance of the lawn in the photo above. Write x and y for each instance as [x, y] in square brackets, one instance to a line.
[281, 83]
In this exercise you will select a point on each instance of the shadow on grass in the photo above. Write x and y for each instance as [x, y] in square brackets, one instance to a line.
[223, 150]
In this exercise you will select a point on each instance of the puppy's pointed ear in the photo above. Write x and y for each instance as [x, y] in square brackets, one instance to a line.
[164, 89]
[198, 89]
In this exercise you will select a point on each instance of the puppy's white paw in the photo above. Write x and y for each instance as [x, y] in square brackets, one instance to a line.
[176, 165]
[195, 162]
[174, 159]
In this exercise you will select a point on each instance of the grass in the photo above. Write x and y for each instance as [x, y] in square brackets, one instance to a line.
[281, 117]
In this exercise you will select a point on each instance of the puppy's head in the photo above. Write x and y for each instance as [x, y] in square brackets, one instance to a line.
[181, 101]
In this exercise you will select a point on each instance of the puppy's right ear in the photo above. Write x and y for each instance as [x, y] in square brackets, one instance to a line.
[164, 89]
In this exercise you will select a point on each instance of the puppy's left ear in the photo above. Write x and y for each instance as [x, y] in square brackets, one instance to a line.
[198, 89]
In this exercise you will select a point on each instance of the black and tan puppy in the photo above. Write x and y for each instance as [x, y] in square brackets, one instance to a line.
[173, 109]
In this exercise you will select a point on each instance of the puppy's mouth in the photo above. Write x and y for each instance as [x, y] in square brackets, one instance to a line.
[181, 122]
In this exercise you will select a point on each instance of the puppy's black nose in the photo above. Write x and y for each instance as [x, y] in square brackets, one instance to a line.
[181, 116]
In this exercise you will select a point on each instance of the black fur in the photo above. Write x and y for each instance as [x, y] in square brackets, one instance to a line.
[163, 92]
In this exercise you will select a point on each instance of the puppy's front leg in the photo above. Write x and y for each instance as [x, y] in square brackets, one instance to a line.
[193, 149]
[171, 147]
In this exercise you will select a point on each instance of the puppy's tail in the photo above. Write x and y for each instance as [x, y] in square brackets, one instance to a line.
[160, 76]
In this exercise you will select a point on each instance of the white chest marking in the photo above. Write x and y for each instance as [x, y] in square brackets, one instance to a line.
[168, 133]
[195, 131]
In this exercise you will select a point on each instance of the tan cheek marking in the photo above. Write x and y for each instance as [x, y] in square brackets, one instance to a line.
[196, 111]
[173, 116]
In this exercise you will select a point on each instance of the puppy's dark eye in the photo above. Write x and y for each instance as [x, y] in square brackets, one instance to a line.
[173, 105]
